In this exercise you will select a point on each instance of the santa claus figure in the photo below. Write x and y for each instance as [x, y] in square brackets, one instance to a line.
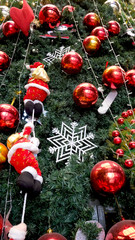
[22, 156]
[37, 90]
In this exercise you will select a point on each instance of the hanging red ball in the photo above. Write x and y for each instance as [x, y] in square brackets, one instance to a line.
[124, 114]
[132, 121]
[9, 117]
[107, 177]
[91, 20]
[115, 133]
[71, 63]
[85, 95]
[10, 28]
[132, 131]
[130, 79]
[117, 140]
[49, 15]
[68, 8]
[100, 32]
[130, 112]
[4, 61]
[124, 230]
[91, 44]
[52, 236]
[128, 163]
[132, 144]
[120, 152]
[113, 77]
[113, 28]
[120, 120]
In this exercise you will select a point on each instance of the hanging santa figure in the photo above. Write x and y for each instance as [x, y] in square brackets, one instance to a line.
[23, 150]
[37, 89]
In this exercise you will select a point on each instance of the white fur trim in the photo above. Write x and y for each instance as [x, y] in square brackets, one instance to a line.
[26, 100]
[35, 141]
[37, 86]
[31, 170]
[39, 178]
[25, 145]
[37, 101]
[17, 234]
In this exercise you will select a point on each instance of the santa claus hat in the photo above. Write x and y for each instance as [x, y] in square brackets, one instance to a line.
[35, 65]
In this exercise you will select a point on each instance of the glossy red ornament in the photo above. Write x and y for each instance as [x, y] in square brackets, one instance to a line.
[113, 77]
[49, 15]
[124, 114]
[71, 63]
[85, 95]
[9, 117]
[52, 236]
[120, 120]
[130, 79]
[107, 177]
[10, 28]
[4, 61]
[100, 32]
[115, 133]
[117, 140]
[128, 163]
[1, 224]
[113, 28]
[130, 112]
[68, 8]
[91, 44]
[132, 121]
[120, 152]
[123, 230]
[132, 144]
[91, 20]
[132, 131]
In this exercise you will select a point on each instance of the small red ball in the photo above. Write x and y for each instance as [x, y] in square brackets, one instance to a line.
[120, 121]
[132, 131]
[9, 117]
[71, 63]
[113, 77]
[113, 28]
[130, 79]
[85, 95]
[91, 20]
[10, 28]
[132, 121]
[117, 140]
[49, 15]
[52, 236]
[4, 61]
[100, 32]
[91, 44]
[132, 145]
[128, 163]
[120, 152]
[115, 133]
[130, 112]
[124, 114]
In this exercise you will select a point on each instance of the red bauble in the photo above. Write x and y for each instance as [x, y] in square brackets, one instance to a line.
[10, 28]
[124, 230]
[115, 133]
[91, 44]
[120, 152]
[4, 61]
[68, 8]
[130, 79]
[9, 117]
[91, 20]
[132, 144]
[132, 131]
[130, 112]
[128, 163]
[120, 121]
[1, 224]
[113, 28]
[124, 114]
[71, 63]
[107, 177]
[113, 77]
[117, 140]
[49, 15]
[85, 95]
[101, 33]
[52, 236]
[132, 121]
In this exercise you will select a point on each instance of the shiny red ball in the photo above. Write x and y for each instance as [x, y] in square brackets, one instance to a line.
[132, 144]
[91, 44]
[117, 140]
[85, 95]
[9, 117]
[132, 131]
[124, 230]
[130, 79]
[124, 114]
[113, 77]
[107, 177]
[120, 121]
[4, 61]
[68, 8]
[128, 163]
[132, 121]
[52, 236]
[71, 63]
[130, 112]
[115, 133]
[49, 15]
[120, 152]
[113, 28]
[91, 20]
[101, 33]
[10, 28]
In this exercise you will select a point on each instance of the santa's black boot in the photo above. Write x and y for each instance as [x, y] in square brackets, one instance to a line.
[38, 106]
[25, 182]
[37, 188]
[29, 106]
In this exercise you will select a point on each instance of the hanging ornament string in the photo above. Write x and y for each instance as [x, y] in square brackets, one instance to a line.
[126, 6]
[24, 207]
[96, 77]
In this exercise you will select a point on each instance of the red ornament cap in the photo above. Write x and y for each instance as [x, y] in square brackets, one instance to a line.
[120, 121]
[117, 140]
[115, 133]
[128, 163]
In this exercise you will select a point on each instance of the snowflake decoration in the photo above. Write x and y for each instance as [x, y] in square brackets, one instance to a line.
[68, 141]
[58, 54]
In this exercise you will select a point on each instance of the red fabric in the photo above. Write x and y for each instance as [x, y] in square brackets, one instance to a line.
[36, 64]
[23, 17]
[27, 131]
